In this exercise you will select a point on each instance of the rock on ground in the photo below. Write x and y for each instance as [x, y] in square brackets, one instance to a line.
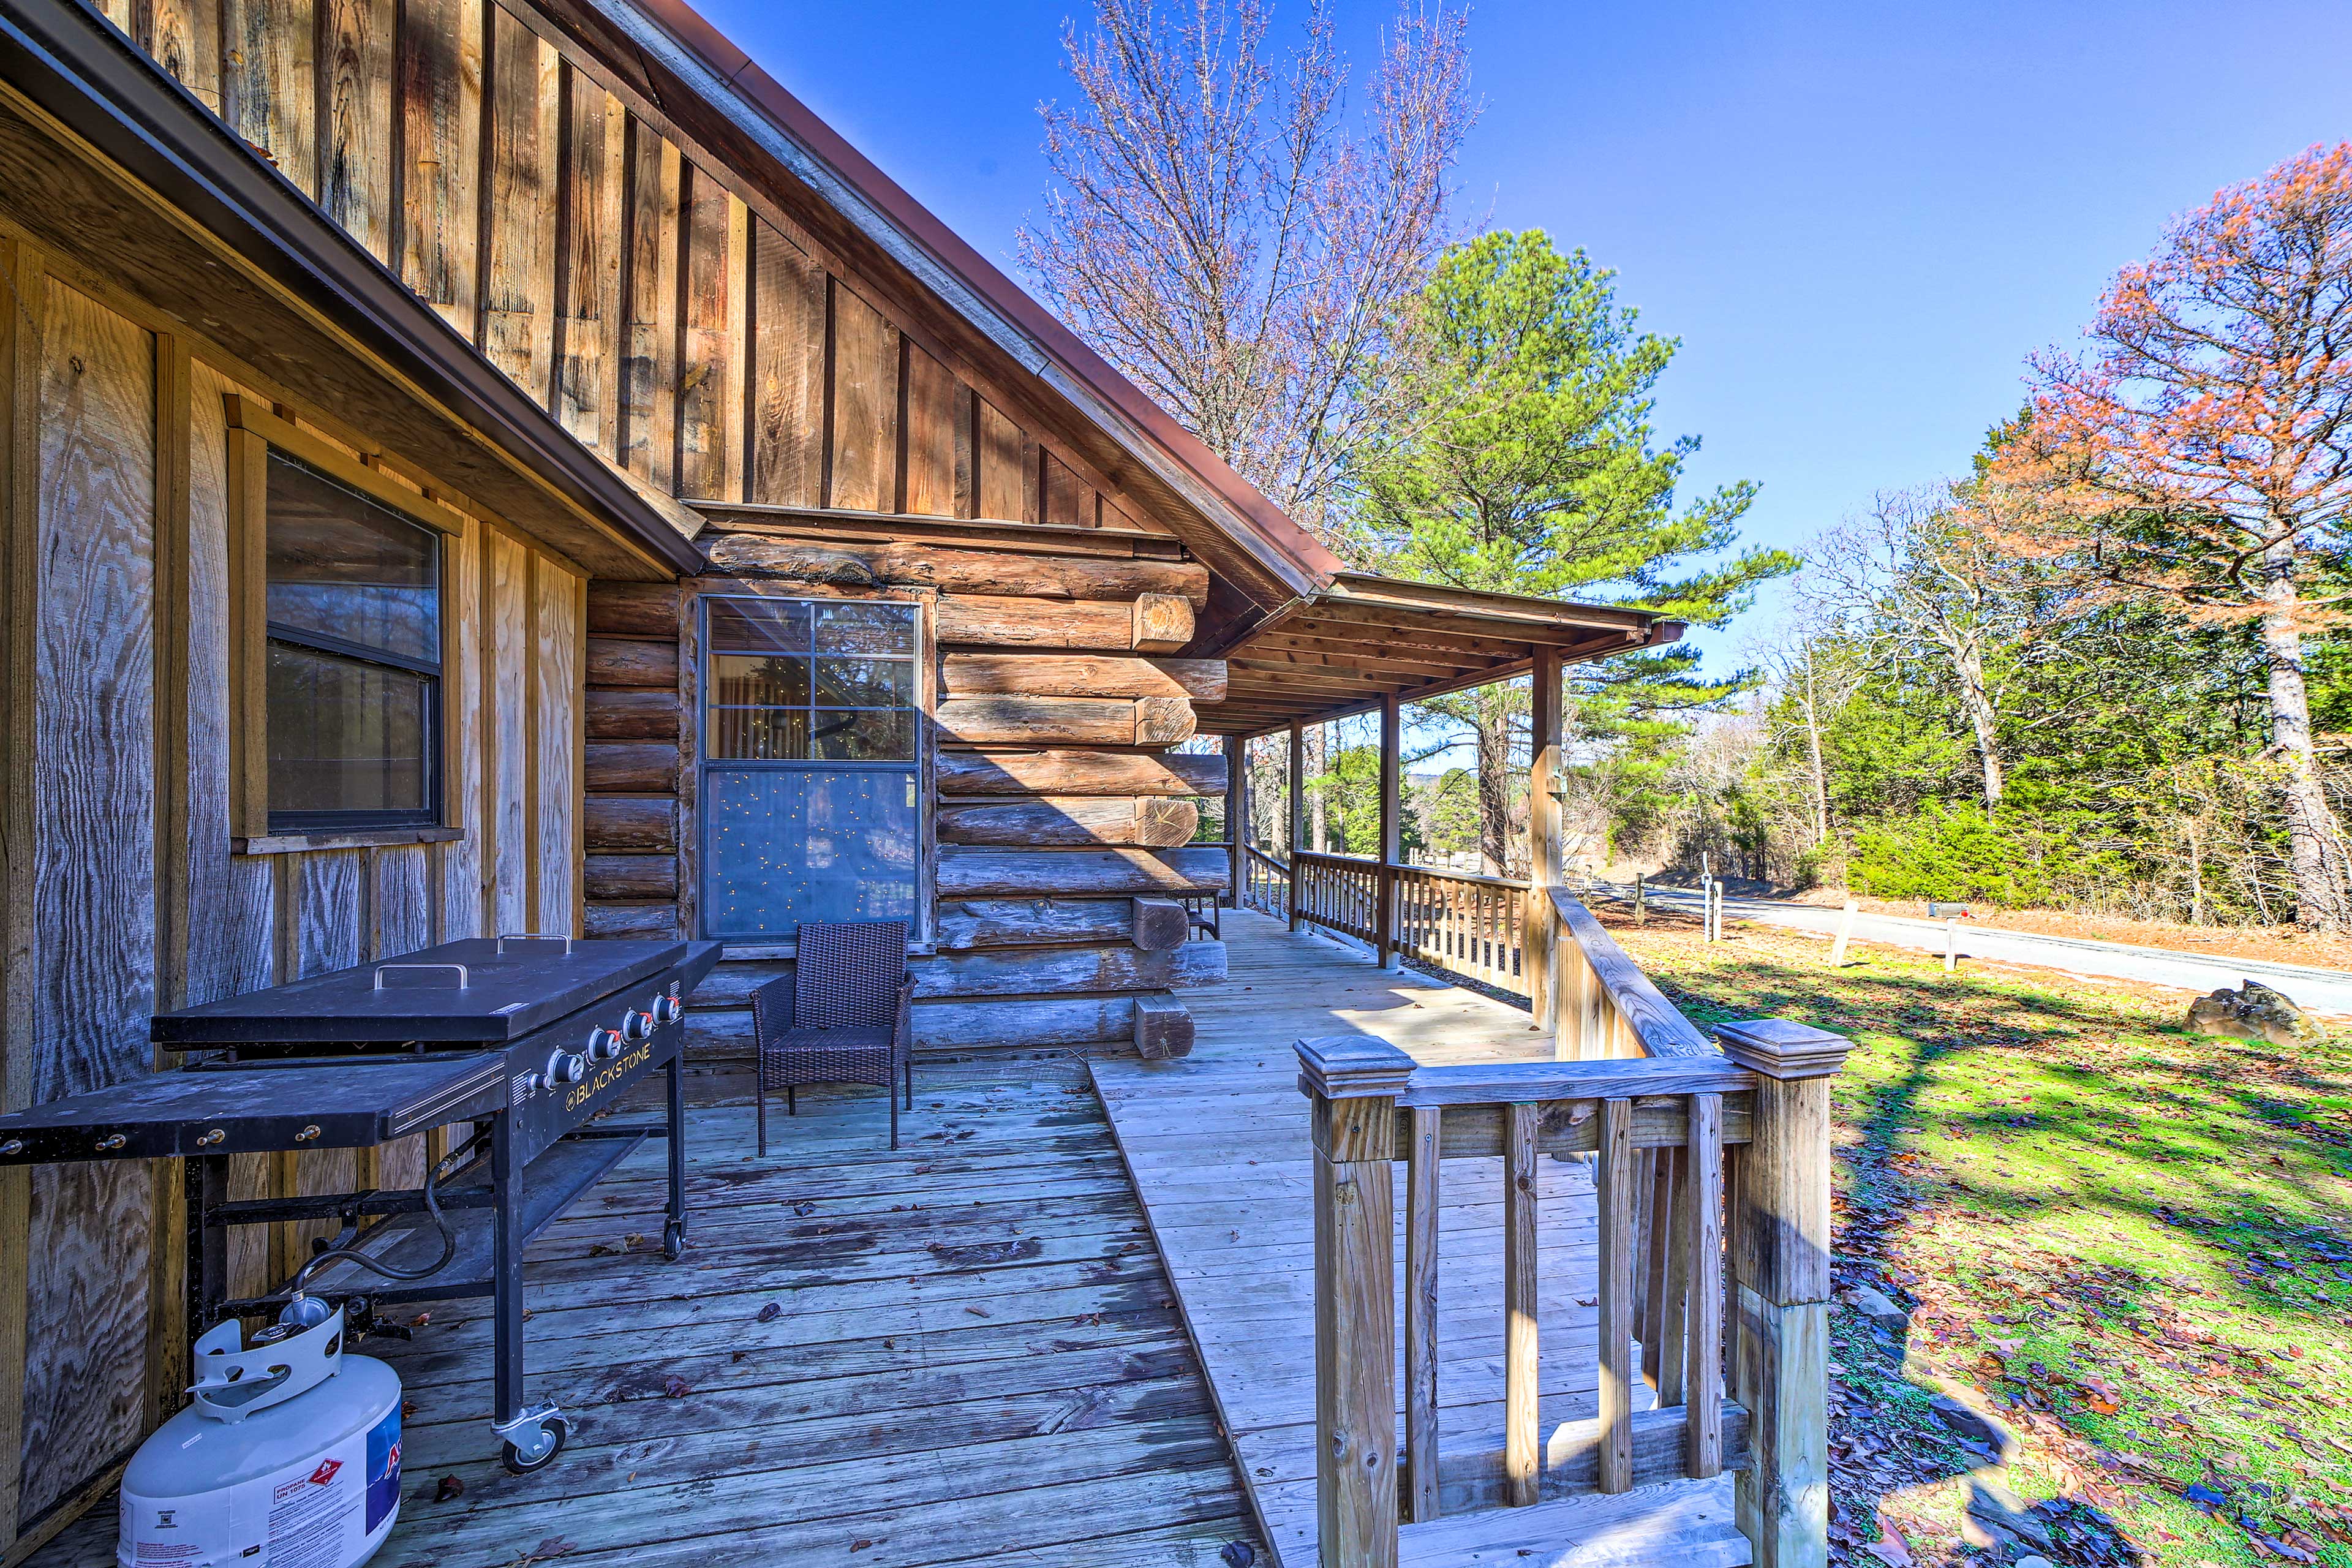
[2252, 1012]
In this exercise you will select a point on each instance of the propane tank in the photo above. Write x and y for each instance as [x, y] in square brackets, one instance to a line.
[289, 1453]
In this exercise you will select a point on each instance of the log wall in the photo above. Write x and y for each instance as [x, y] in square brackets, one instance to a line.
[1061, 820]
[126, 889]
[673, 314]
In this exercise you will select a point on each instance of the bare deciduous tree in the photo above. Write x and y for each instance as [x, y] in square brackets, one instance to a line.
[1225, 236]
[1935, 567]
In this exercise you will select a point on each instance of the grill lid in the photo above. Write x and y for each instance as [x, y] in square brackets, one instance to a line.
[512, 985]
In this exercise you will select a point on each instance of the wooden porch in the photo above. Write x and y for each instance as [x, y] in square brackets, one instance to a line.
[1119, 1312]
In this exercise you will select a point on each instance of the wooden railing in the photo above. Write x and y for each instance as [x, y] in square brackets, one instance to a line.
[1471, 926]
[1339, 892]
[1706, 1162]
[1265, 883]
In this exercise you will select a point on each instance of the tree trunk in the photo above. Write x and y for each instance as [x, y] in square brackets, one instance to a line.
[2315, 851]
[1813, 744]
[1977, 702]
[1319, 833]
[1494, 783]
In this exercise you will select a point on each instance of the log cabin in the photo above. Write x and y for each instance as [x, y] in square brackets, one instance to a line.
[474, 467]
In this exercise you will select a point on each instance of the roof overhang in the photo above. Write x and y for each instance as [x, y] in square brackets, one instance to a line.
[1351, 647]
[114, 165]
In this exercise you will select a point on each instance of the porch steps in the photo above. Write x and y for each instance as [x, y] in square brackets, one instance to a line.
[1687, 1524]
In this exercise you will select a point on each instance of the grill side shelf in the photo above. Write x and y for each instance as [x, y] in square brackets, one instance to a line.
[345, 1104]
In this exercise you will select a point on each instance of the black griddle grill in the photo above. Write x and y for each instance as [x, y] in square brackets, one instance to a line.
[532, 1040]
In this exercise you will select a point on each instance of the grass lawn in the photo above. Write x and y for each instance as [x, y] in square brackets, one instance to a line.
[2131, 1245]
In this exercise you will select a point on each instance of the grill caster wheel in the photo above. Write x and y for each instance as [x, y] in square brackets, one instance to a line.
[674, 1240]
[556, 1428]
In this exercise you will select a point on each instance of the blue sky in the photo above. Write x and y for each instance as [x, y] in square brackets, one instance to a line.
[1859, 218]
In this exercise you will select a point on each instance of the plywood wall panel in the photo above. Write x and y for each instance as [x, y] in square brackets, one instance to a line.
[269, 89]
[438, 89]
[556, 759]
[865, 405]
[400, 900]
[217, 942]
[649, 375]
[356, 119]
[323, 908]
[1007, 463]
[184, 37]
[519, 273]
[710, 385]
[507, 836]
[935, 422]
[457, 865]
[93, 882]
[788, 354]
[589, 400]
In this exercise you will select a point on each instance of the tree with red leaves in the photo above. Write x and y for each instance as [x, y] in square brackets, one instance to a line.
[2200, 448]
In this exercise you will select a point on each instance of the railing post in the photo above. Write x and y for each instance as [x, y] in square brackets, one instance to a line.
[1384, 892]
[1780, 1263]
[1352, 1082]
[1539, 927]
[1297, 811]
[1237, 818]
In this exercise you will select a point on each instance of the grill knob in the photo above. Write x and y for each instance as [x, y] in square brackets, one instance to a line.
[603, 1045]
[637, 1026]
[564, 1066]
[668, 1008]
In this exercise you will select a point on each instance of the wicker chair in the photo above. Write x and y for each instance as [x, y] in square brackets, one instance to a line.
[843, 1017]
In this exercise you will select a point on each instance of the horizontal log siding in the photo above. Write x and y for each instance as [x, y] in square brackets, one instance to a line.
[1062, 821]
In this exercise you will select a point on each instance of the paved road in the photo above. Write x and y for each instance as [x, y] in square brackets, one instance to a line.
[2321, 990]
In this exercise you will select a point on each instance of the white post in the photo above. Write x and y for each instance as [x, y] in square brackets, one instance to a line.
[1951, 945]
[1846, 932]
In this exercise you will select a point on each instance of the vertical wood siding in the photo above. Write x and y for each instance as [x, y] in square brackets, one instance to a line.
[676, 321]
[136, 897]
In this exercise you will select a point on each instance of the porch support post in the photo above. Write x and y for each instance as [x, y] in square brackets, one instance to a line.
[1779, 1246]
[1352, 1082]
[1541, 926]
[1237, 814]
[1297, 810]
[1392, 829]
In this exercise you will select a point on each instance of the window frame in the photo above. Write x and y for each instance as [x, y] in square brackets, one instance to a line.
[254, 436]
[920, 766]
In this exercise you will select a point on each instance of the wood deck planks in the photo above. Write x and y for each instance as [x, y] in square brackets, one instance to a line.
[978, 1357]
[1219, 1149]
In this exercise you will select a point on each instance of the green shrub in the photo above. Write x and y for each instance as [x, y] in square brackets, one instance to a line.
[2007, 856]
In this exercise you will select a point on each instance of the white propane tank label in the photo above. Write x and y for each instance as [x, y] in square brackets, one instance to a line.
[328, 1512]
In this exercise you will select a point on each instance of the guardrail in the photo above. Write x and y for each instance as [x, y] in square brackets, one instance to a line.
[1708, 1163]
[1265, 883]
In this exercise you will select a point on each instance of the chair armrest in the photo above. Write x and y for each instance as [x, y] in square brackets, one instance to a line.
[904, 1032]
[774, 1010]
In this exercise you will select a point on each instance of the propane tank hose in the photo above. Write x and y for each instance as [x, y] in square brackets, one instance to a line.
[432, 1206]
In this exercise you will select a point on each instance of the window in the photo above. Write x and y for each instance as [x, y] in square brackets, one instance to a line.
[353, 689]
[809, 748]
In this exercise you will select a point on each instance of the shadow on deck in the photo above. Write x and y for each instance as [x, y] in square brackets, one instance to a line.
[974, 1356]
[976, 1350]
